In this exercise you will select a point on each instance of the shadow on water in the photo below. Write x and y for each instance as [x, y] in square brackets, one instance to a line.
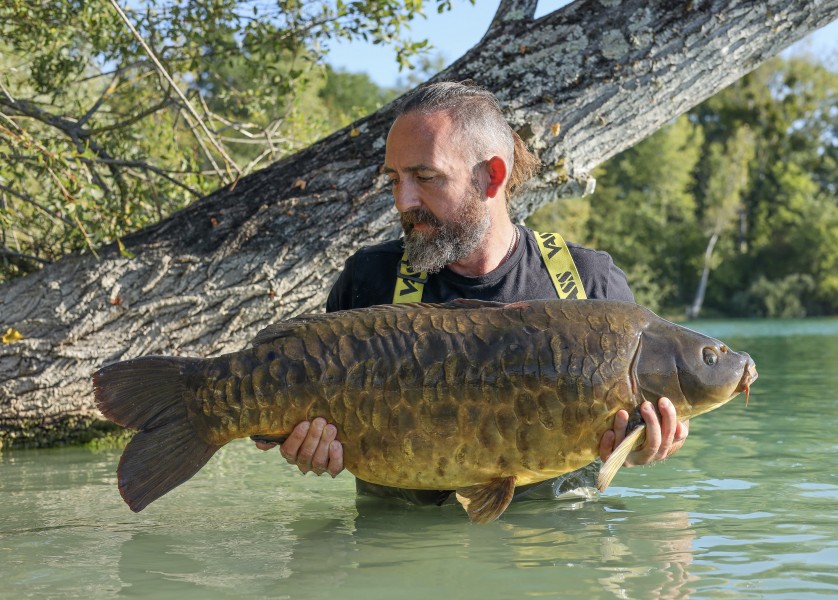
[536, 549]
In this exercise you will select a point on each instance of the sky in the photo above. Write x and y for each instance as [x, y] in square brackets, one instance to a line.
[456, 31]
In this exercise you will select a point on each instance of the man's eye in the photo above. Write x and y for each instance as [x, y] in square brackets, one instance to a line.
[425, 177]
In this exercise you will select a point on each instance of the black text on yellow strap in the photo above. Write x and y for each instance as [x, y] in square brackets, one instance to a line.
[559, 263]
[409, 283]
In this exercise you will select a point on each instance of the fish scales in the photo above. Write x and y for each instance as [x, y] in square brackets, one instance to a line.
[428, 365]
[467, 395]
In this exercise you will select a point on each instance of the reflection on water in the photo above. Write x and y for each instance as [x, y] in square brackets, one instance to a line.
[381, 549]
[746, 509]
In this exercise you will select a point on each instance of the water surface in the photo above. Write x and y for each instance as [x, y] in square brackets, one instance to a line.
[745, 510]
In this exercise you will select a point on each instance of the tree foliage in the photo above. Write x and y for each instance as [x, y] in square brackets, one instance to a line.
[103, 131]
[95, 142]
[754, 169]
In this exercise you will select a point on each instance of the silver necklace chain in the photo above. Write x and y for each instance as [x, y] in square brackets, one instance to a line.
[512, 245]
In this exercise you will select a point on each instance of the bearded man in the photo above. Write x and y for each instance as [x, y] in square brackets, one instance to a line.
[454, 163]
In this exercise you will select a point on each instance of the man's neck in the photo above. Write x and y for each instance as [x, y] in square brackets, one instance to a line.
[496, 249]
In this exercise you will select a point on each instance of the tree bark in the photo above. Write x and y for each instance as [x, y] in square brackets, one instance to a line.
[580, 85]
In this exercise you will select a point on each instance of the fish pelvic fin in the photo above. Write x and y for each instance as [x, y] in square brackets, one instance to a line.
[619, 456]
[486, 502]
[147, 394]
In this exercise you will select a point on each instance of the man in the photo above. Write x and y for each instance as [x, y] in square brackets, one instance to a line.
[454, 162]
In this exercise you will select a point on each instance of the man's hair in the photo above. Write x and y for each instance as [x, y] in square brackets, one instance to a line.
[478, 118]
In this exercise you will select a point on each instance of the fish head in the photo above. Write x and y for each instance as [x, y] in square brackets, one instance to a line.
[696, 372]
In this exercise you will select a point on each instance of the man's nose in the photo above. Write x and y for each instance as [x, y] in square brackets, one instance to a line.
[406, 196]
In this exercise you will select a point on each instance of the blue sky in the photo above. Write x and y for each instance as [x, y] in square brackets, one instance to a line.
[454, 32]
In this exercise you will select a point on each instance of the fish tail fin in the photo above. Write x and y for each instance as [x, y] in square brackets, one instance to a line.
[147, 394]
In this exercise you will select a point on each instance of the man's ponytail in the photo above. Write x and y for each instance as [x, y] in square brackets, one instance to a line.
[525, 164]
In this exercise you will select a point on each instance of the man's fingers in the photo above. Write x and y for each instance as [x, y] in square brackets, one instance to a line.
[309, 445]
[681, 433]
[664, 433]
[606, 445]
[669, 424]
[320, 458]
[335, 458]
[621, 420]
[291, 446]
[653, 437]
[312, 446]
[265, 445]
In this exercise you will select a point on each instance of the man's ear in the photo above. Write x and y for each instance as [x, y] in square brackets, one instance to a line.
[496, 167]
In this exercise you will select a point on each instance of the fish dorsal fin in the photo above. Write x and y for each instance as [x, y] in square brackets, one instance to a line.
[486, 502]
[276, 330]
[287, 327]
[618, 457]
[470, 303]
[290, 326]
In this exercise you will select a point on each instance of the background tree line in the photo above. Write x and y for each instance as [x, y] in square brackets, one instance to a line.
[731, 207]
[742, 192]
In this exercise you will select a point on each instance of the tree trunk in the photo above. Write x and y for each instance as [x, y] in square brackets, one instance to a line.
[579, 84]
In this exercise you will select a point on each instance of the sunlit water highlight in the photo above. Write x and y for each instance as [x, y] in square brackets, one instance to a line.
[745, 510]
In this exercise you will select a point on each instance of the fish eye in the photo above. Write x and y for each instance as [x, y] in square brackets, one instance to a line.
[710, 356]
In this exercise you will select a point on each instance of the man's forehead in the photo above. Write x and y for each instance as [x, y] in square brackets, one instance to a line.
[418, 141]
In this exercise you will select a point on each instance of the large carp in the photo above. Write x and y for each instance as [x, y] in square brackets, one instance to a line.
[471, 396]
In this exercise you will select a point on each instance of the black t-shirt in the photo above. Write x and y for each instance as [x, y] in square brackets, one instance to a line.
[369, 278]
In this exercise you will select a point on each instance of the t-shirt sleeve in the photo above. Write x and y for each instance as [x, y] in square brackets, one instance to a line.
[367, 279]
[602, 279]
[340, 296]
[617, 287]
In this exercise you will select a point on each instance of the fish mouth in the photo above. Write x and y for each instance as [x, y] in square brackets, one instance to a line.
[748, 377]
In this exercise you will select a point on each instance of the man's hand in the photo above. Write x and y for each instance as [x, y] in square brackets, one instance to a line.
[312, 447]
[663, 436]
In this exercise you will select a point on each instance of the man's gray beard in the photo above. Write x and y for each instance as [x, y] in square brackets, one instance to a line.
[448, 241]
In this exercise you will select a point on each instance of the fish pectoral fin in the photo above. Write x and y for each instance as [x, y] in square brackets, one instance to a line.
[270, 439]
[618, 457]
[486, 502]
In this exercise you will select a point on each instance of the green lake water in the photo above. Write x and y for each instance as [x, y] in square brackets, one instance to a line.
[747, 509]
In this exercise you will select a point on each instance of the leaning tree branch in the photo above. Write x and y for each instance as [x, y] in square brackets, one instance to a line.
[511, 12]
[579, 84]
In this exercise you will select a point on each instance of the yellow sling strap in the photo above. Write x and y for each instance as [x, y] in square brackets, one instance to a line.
[560, 264]
[410, 284]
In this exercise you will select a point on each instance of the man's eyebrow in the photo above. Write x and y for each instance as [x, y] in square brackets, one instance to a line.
[390, 170]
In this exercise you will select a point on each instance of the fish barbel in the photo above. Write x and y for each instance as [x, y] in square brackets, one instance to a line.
[472, 396]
